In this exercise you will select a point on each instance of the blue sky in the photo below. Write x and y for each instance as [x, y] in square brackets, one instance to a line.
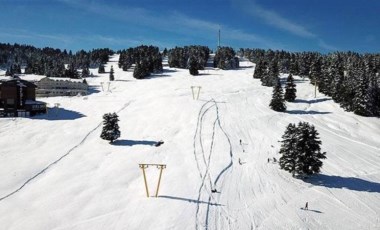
[294, 25]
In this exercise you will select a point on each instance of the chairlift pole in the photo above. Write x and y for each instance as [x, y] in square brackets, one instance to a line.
[143, 167]
[315, 88]
[160, 167]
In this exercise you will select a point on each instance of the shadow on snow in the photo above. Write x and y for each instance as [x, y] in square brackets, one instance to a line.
[189, 200]
[56, 114]
[312, 101]
[311, 210]
[133, 142]
[93, 90]
[304, 112]
[350, 183]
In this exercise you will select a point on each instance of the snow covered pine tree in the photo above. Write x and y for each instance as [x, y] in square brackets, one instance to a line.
[112, 76]
[290, 89]
[288, 149]
[193, 66]
[110, 130]
[301, 151]
[278, 102]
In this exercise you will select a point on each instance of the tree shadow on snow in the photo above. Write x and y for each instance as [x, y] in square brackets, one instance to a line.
[311, 210]
[305, 112]
[134, 142]
[190, 200]
[56, 114]
[93, 90]
[203, 74]
[171, 70]
[156, 75]
[123, 80]
[245, 67]
[300, 80]
[312, 101]
[351, 183]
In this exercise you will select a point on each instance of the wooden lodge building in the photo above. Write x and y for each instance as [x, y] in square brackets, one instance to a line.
[18, 99]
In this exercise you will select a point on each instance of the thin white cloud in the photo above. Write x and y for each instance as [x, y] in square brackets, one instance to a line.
[326, 46]
[173, 22]
[113, 40]
[274, 19]
[32, 35]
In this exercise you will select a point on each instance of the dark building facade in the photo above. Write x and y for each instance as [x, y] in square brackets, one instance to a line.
[18, 99]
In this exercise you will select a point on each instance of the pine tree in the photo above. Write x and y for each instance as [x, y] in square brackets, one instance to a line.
[288, 149]
[361, 101]
[260, 69]
[294, 66]
[270, 79]
[300, 150]
[110, 130]
[290, 89]
[101, 68]
[85, 72]
[193, 66]
[308, 150]
[70, 72]
[278, 102]
[334, 87]
[139, 72]
[315, 71]
[112, 77]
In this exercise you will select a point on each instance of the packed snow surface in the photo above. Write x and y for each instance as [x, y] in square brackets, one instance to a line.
[56, 172]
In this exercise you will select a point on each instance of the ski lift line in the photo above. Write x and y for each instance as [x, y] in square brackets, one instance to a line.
[58, 160]
[160, 167]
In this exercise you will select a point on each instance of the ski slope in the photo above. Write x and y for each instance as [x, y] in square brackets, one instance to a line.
[56, 172]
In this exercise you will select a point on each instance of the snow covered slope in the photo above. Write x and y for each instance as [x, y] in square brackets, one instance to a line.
[56, 172]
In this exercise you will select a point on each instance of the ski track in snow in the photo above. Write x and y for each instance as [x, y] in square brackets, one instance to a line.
[59, 159]
[205, 172]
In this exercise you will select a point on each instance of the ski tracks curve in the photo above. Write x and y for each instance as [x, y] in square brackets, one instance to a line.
[59, 159]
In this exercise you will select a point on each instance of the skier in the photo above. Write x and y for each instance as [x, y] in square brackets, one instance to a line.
[214, 190]
[268, 160]
[240, 162]
[307, 206]
[240, 141]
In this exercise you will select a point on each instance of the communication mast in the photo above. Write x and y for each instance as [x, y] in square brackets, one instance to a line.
[218, 39]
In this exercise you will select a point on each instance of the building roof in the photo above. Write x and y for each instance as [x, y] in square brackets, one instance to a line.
[63, 79]
[17, 81]
[31, 102]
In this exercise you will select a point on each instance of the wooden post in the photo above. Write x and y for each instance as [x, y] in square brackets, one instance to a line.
[161, 167]
[199, 89]
[315, 88]
[192, 91]
[143, 167]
